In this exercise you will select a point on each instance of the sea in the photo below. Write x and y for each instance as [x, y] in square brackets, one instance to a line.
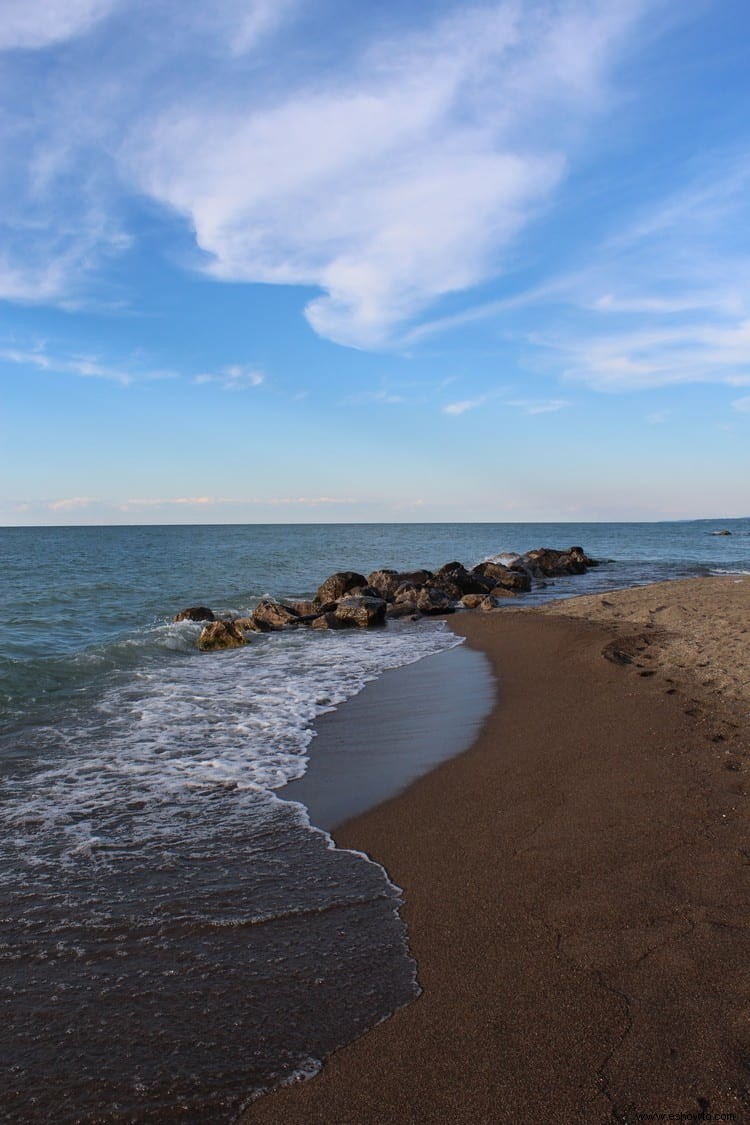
[176, 936]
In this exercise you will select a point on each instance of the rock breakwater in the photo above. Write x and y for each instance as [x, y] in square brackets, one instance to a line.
[348, 599]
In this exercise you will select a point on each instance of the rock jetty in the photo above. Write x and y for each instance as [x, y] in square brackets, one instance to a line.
[349, 600]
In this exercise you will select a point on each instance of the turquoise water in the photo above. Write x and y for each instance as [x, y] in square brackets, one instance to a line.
[176, 936]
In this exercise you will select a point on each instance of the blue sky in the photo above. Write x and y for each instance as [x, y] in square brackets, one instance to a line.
[269, 260]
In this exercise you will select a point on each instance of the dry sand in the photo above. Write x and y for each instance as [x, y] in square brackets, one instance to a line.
[576, 884]
[697, 629]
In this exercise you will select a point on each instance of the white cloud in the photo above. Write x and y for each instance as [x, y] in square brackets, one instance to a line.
[83, 366]
[235, 377]
[384, 397]
[742, 404]
[38, 23]
[397, 180]
[539, 406]
[70, 504]
[464, 405]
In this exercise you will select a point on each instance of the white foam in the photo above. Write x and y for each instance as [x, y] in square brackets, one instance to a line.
[194, 723]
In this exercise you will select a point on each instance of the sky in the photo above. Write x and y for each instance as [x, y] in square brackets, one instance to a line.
[283, 261]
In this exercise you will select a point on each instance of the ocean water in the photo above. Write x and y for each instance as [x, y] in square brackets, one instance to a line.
[175, 937]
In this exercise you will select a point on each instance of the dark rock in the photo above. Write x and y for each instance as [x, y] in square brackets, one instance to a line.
[360, 612]
[444, 583]
[385, 582]
[220, 634]
[430, 600]
[404, 608]
[487, 604]
[493, 570]
[339, 584]
[416, 577]
[724, 532]
[545, 562]
[304, 608]
[327, 620]
[364, 592]
[498, 575]
[456, 575]
[472, 601]
[270, 616]
[195, 613]
[502, 592]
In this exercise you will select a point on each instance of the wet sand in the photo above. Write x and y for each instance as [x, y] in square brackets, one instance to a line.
[576, 883]
[398, 728]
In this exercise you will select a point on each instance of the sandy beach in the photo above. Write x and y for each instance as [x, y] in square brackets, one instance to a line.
[575, 884]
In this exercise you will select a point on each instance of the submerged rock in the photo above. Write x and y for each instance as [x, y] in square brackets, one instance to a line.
[336, 585]
[195, 613]
[220, 634]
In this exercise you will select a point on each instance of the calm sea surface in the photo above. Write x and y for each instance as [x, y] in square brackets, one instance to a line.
[175, 936]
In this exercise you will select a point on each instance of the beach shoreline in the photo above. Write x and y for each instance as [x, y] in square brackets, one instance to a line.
[575, 883]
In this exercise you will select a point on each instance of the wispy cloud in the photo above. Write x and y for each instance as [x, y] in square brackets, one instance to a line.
[539, 405]
[382, 397]
[463, 405]
[742, 404]
[82, 366]
[235, 377]
[70, 504]
[234, 501]
[658, 417]
[32, 24]
[401, 178]
[527, 405]
[402, 174]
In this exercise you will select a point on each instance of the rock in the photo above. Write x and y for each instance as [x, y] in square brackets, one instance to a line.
[220, 634]
[385, 582]
[246, 624]
[416, 577]
[360, 612]
[487, 604]
[495, 574]
[724, 532]
[459, 577]
[448, 587]
[517, 581]
[472, 601]
[304, 608]
[327, 620]
[270, 616]
[502, 592]
[492, 570]
[403, 608]
[546, 562]
[430, 600]
[364, 592]
[339, 584]
[195, 613]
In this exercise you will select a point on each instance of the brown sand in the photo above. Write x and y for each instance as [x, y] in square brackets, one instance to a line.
[576, 885]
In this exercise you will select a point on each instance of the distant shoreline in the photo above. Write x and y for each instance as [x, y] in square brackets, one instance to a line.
[575, 883]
